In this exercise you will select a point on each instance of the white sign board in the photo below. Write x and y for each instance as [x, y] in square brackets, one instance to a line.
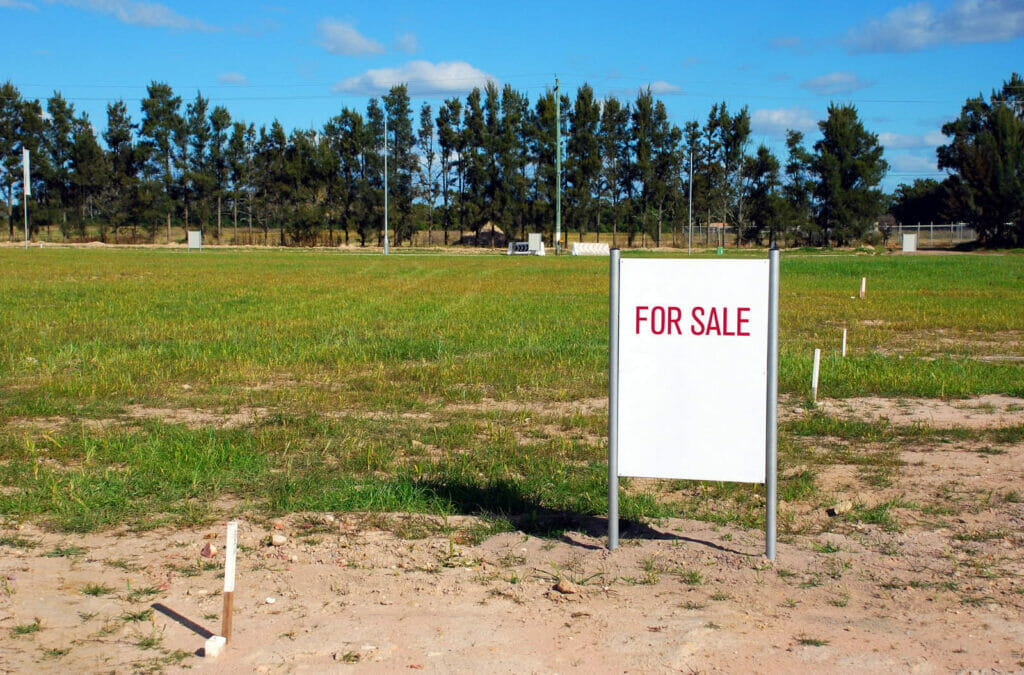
[910, 243]
[693, 368]
[535, 241]
[195, 239]
[26, 173]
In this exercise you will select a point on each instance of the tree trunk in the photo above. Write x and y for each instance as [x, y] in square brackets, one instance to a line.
[218, 219]
[234, 220]
[659, 225]
[168, 227]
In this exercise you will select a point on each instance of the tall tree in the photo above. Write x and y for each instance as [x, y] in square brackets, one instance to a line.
[218, 167]
[161, 121]
[427, 177]
[798, 191]
[849, 166]
[58, 141]
[986, 155]
[402, 163]
[123, 168]
[763, 213]
[583, 158]
[614, 141]
[239, 155]
[513, 159]
[10, 147]
[88, 176]
[449, 122]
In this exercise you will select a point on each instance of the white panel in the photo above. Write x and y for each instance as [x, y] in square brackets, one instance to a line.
[910, 243]
[195, 239]
[229, 557]
[692, 387]
[26, 173]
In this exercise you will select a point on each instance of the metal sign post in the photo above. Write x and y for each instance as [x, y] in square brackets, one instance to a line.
[682, 355]
[613, 402]
[772, 417]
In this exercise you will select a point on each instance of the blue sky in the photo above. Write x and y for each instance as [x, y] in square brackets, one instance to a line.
[907, 67]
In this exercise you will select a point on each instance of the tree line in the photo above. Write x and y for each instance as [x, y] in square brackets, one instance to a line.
[484, 161]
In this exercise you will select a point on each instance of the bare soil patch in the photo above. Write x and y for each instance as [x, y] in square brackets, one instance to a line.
[983, 412]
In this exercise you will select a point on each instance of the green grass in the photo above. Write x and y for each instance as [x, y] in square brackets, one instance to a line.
[26, 628]
[361, 382]
[96, 590]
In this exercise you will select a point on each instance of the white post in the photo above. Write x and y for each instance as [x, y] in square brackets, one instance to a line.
[863, 287]
[844, 343]
[26, 188]
[229, 579]
[814, 375]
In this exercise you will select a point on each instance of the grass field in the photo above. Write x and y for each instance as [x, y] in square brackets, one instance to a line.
[153, 386]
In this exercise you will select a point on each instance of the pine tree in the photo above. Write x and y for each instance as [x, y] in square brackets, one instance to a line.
[161, 122]
[849, 166]
[583, 158]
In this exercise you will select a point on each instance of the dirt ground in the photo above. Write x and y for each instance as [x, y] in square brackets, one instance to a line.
[942, 593]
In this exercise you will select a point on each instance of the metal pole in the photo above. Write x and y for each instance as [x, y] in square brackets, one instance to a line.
[613, 401]
[558, 168]
[385, 180]
[689, 242]
[771, 427]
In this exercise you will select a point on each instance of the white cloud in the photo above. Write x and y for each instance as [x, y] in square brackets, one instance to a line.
[408, 43]
[147, 14]
[232, 78]
[789, 42]
[931, 139]
[424, 79]
[662, 87]
[339, 37]
[918, 26]
[17, 4]
[904, 163]
[776, 121]
[835, 83]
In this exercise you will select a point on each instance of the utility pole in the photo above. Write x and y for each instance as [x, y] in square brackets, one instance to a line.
[385, 179]
[558, 168]
[689, 240]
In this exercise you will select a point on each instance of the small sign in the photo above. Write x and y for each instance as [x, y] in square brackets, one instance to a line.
[26, 173]
[910, 243]
[195, 240]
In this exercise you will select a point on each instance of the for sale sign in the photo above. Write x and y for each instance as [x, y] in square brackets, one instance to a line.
[692, 369]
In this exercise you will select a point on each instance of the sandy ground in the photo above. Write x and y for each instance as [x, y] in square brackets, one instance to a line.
[944, 593]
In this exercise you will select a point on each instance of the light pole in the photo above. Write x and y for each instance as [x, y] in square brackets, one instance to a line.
[689, 240]
[558, 168]
[385, 179]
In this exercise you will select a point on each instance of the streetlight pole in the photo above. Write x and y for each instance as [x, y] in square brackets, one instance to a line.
[689, 240]
[385, 180]
[558, 168]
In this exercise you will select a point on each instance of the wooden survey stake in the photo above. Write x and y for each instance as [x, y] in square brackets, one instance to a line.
[229, 579]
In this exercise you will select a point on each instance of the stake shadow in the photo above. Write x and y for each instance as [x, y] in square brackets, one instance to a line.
[182, 620]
